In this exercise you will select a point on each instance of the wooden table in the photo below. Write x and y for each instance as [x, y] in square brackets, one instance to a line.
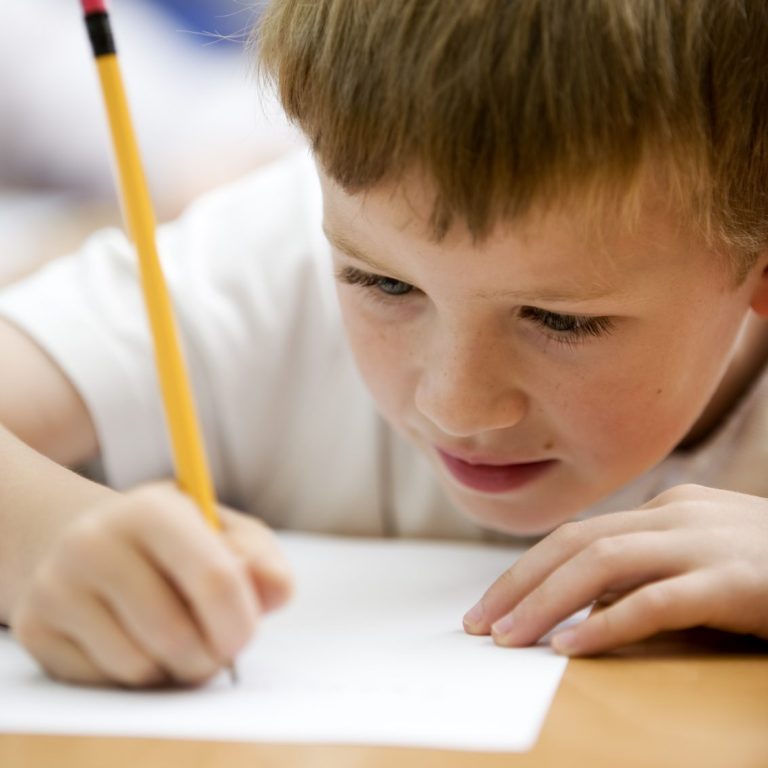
[694, 699]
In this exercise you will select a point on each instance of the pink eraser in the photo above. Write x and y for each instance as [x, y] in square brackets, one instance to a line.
[94, 6]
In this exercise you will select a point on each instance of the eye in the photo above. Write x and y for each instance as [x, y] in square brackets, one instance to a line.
[568, 328]
[380, 284]
[391, 286]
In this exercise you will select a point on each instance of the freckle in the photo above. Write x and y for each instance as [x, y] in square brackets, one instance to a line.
[658, 391]
[549, 445]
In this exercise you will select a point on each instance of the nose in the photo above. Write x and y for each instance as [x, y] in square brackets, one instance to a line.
[468, 386]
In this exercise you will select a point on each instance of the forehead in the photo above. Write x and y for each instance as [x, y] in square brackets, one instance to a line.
[594, 247]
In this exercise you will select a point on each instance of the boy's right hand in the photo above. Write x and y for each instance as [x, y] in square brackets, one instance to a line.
[140, 592]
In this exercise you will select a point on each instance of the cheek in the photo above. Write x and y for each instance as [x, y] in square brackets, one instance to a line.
[635, 408]
[383, 354]
[622, 418]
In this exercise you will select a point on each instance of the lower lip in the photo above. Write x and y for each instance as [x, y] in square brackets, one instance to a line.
[494, 479]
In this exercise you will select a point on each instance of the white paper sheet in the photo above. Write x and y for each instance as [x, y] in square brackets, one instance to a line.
[370, 651]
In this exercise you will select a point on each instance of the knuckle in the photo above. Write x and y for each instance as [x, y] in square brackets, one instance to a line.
[669, 496]
[605, 624]
[148, 501]
[149, 493]
[218, 581]
[160, 507]
[679, 493]
[47, 596]
[606, 553]
[62, 674]
[743, 578]
[138, 673]
[86, 559]
[177, 643]
[142, 503]
[28, 630]
[689, 490]
[570, 535]
[83, 543]
[654, 603]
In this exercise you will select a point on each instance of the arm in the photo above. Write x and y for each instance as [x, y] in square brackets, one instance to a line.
[103, 587]
[130, 587]
[42, 420]
[33, 512]
[39, 404]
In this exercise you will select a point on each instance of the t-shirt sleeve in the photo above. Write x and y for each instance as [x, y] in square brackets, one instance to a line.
[230, 262]
[86, 312]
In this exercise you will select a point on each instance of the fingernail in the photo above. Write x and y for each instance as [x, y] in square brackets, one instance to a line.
[504, 626]
[474, 616]
[566, 642]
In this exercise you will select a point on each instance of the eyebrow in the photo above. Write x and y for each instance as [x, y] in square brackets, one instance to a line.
[554, 294]
[348, 248]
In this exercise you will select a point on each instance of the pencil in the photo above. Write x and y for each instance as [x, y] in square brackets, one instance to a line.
[191, 465]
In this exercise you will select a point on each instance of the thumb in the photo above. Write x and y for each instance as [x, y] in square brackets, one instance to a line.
[258, 547]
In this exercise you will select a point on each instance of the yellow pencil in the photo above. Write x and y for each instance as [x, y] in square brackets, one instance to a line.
[192, 473]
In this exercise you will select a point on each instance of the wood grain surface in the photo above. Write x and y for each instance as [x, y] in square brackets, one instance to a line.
[694, 699]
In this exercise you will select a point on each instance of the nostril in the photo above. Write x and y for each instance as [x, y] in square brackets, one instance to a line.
[468, 413]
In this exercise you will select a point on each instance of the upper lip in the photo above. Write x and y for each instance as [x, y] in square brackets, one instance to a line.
[486, 459]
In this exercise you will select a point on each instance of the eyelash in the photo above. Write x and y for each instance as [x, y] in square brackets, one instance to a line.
[566, 329]
[374, 283]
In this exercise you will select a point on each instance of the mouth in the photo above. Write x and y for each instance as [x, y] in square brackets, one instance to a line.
[495, 477]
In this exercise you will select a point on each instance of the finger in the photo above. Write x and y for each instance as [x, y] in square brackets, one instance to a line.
[551, 552]
[54, 609]
[678, 603]
[149, 611]
[609, 598]
[210, 578]
[259, 548]
[93, 627]
[59, 656]
[612, 564]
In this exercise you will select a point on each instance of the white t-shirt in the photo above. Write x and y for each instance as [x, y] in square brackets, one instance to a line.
[291, 432]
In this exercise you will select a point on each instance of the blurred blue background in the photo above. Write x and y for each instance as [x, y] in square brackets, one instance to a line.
[227, 18]
[200, 115]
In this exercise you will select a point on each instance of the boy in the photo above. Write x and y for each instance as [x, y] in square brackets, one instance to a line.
[549, 231]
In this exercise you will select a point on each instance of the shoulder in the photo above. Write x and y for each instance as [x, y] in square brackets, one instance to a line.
[278, 204]
[257, 243]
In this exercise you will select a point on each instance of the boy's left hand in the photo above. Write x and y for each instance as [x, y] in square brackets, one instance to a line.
[693, 556]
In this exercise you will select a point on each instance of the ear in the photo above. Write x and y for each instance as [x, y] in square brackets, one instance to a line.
[759, 301]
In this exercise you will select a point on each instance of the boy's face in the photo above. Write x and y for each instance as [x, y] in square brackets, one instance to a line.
[540, 369]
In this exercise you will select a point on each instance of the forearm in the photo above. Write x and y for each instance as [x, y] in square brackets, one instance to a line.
[38, 499]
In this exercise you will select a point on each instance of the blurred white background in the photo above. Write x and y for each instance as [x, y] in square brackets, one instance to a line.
[198, 110]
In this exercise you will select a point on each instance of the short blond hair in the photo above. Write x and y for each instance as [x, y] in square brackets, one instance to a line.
[507, 103]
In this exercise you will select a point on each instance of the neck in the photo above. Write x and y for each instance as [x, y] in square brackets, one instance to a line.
[749, 360]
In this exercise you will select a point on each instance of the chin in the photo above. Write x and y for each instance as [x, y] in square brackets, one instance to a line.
[516, 518]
